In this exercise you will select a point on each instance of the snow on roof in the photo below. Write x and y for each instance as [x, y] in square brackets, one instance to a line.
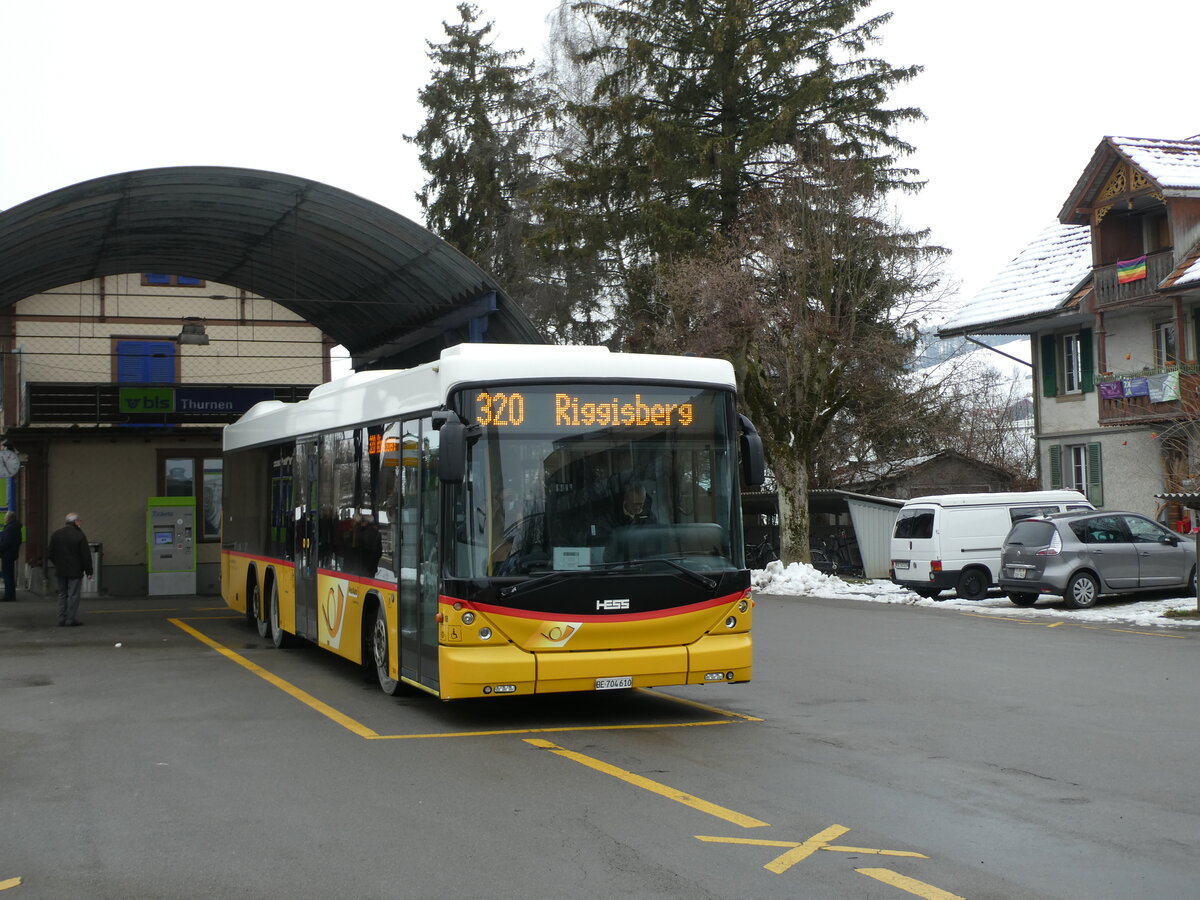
[1039, 280]
[1173, 165]
[1191, 275]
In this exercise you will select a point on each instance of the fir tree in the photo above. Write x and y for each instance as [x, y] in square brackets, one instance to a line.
[697, 106]
[483, 111]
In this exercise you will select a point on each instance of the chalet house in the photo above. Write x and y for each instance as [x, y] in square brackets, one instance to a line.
[1110, 299]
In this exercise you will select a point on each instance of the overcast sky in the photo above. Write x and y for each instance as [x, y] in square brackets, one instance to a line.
[1017, 95]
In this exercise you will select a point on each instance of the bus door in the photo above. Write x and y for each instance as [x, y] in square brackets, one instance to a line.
[420, 498]
[307, 526]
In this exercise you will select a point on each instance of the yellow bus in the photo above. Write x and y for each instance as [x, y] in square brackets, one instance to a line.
[505, 520]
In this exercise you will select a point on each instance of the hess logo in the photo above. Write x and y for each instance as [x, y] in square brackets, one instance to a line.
[611, 605]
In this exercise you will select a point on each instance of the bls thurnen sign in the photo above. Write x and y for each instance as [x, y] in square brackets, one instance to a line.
[189, 404]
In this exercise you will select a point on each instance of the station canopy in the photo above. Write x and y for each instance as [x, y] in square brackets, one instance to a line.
[387, 289]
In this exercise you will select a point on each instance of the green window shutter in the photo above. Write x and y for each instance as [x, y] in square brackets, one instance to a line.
[1056, 481]
[1049, 348]
[1195, 354]
[1095, 475]
[1086, 362]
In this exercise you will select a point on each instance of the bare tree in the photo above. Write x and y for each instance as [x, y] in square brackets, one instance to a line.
[815, 296]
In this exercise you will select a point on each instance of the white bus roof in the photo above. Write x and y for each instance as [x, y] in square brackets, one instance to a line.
[386, 395]
[998, 498]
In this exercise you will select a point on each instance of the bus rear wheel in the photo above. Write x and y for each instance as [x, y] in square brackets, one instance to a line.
[253, 604]
[279, 637]
[260, 620]
[379, 653]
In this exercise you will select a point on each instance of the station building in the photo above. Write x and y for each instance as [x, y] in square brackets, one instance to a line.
[141, 312]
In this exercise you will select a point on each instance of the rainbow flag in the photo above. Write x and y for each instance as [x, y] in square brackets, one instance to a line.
[1131, 270]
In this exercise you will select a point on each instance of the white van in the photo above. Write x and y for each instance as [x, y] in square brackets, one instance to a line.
[952, 541]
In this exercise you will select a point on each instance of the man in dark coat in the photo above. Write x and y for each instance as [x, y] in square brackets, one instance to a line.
[72, 559]
[10, 548]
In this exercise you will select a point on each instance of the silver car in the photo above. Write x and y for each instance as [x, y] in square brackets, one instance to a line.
[1081, 555]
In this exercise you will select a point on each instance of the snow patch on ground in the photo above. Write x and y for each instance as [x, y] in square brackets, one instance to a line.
[799, 579]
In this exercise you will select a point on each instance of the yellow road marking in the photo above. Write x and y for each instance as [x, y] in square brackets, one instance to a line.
[10, 883]
[804, 849]
[1129, 631]
[703, 706]
[288, 688]
[655, 787]
[911, 885]
[565, 728]
[109, 612]
[369, 734]
[1084, 625]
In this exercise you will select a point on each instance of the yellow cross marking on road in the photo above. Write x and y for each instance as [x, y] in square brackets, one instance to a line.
[798, 852]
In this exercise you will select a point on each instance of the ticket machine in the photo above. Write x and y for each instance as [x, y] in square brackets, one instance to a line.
[171, 545]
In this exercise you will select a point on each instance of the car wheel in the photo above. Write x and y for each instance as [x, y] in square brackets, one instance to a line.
[1082, 591]
[1023, 599]
[973, 584]
[1192, 582]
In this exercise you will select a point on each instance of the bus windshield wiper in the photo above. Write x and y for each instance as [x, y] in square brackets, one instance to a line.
[606, 568]
[709, 583]
[546, 577]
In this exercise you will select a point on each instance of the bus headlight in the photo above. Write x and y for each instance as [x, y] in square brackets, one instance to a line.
[731, 622]
[743, 605]
[468, 618]
[485, 633]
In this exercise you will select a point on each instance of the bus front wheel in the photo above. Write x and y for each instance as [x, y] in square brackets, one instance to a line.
[379, 653]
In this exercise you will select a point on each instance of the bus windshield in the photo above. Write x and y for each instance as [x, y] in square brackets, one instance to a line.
[587, 477]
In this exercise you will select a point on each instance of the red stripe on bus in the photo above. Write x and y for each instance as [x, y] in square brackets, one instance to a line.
[590, 617]
[332, 573]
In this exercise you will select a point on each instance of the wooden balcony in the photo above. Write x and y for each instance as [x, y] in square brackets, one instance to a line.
[1109, 291]
[1136, 406]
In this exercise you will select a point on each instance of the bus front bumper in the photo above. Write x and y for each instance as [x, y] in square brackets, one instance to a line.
[506, 669]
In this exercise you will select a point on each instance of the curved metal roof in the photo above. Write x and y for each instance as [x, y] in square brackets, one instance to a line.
[371, 279]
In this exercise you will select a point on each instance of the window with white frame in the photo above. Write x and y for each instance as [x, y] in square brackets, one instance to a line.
[1078, 467]
[1067, 364]
[1076, 475]
[1072, 364]
[1166, 343]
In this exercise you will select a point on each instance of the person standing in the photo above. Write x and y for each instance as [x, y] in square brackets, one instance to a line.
[72, 558]
[10, 548]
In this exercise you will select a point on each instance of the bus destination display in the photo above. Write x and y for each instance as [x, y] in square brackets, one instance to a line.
[542, 408]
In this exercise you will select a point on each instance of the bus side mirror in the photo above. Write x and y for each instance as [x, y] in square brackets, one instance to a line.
[452, 452]
[454, 438]
[754, 466]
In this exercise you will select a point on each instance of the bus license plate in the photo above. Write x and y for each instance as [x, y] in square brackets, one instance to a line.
[612, 684]
[901, 564]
